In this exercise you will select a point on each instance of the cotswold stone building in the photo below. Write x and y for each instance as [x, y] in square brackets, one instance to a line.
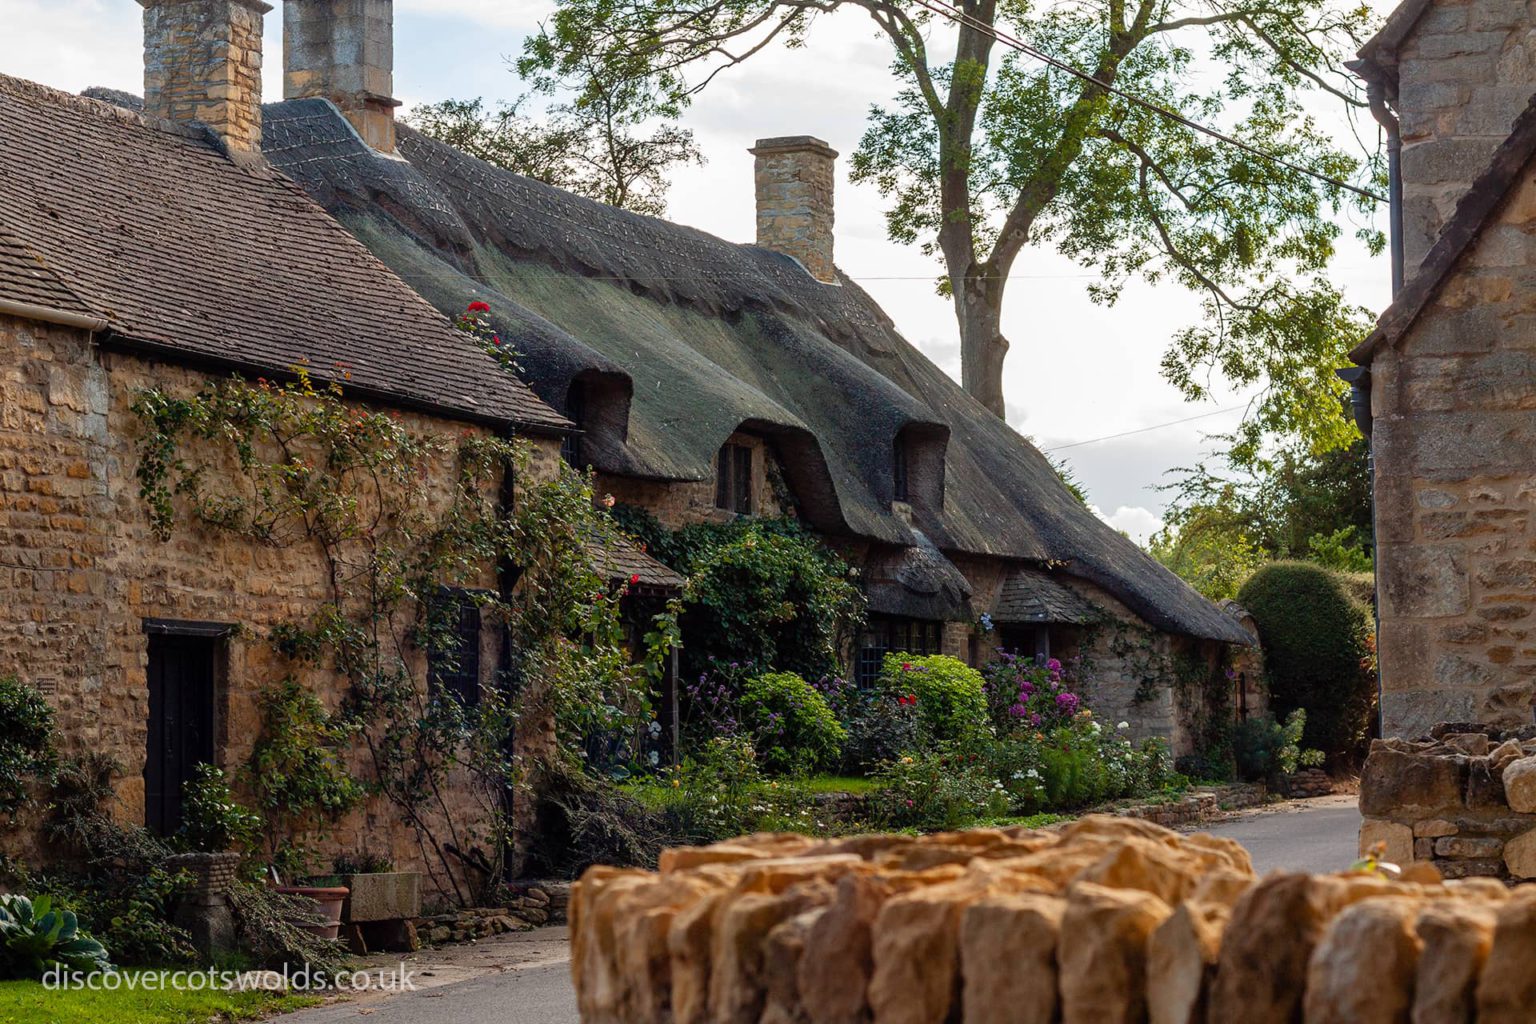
[143, 250]
[709, 379]
[1451, 367]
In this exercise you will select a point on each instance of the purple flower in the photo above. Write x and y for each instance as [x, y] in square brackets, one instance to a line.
[1067, 703]
[1018, 711]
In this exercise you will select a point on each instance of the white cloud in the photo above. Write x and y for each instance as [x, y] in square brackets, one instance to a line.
[1137, 522]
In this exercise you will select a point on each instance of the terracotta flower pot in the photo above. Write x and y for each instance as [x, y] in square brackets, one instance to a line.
[330, 899]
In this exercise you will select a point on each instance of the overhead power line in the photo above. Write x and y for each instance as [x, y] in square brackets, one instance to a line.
[947, 10]
[1143, 430]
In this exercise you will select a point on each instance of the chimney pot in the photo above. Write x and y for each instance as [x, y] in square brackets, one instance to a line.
[794, 178]
[202, 62]
[343, 51]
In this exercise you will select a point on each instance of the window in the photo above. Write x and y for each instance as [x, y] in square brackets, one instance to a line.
[886, 634]
[733, 479]
[899, 470]
[453, 655]
[576, 412]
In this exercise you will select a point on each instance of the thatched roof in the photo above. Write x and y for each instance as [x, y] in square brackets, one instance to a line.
[1037, 596]
[705, 337]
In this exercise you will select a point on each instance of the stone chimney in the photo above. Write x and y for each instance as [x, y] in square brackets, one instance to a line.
[344, 51]
[794, 201]
[202, 62]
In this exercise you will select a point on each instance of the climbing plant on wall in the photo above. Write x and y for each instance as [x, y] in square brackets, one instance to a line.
[393, 513]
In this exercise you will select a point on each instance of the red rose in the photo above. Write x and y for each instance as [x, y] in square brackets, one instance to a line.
[495, 339]
[906, 666]
[479, 307]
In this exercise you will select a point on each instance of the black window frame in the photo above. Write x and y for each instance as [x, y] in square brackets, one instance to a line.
[457, 671]
[901, 472]
[575, 411]
[733, 478]
[893, 634]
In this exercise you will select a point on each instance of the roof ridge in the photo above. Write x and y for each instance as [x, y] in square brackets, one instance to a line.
[1488, 194]
[26, 89]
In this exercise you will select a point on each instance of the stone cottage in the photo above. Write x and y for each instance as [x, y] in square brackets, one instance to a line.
[710, 379]
[1446, 383]
[160, 249]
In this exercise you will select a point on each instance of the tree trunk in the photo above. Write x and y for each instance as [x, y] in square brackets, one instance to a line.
[982, 345]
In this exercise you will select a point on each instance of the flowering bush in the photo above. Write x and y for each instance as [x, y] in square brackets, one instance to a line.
[881, 727]
[791, 724]
[1081, 763]
[947, 788]
[1030, 694]
[947, 693]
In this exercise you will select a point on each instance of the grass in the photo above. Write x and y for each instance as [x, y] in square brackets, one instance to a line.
[27, 1002]
[653, 795]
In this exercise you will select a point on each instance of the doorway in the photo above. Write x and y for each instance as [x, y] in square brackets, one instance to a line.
[183, 673]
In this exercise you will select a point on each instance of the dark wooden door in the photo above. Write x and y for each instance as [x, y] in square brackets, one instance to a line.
[181, 682]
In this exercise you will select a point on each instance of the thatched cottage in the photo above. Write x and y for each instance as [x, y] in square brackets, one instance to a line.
[171, 241]
[1445, 385]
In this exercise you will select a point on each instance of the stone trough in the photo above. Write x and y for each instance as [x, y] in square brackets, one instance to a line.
[1103, 921]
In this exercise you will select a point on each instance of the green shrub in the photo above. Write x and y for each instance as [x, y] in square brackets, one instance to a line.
[26, 743]
[212, 821]
[35, 936]
[1318, 645]
[792, 726]
[881, 727]
[945, 788]
[951, 701]
[761, 591]
[1266, 750]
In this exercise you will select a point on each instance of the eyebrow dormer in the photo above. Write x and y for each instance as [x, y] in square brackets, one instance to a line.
[917, 468]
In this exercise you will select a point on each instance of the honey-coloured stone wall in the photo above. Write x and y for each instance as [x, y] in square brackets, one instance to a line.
[81, 571]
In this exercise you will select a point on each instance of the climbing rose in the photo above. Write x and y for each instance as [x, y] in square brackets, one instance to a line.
[479, 307]
[634, 579]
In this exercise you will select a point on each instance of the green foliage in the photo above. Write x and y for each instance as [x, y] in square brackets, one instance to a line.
[592, 146]
[26, 744]
[945, 788]
[1342, 550]
[212, 820]
[950, 696]
[881, 727]
[1208, 551]
[760, 591]
[1318, 648]
[1084, 764]
[792, 726]
[985, 150]
[364, 863]
[113, 876]
[298, 771]
[1266, 750]
[140, 1001]
[35, 936]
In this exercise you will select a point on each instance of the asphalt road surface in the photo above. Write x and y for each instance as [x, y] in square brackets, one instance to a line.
[1317, 835]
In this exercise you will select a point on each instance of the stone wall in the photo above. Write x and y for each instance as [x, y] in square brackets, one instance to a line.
[1106, 919]
[1464, 800]
[80, 571]
[1452, 439]
[1464, 73]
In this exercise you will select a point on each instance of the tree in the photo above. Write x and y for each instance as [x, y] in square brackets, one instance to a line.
[590, 146]
[1221, 526]
[981, 155]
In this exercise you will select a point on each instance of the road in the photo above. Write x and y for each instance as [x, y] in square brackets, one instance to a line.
[533, 984]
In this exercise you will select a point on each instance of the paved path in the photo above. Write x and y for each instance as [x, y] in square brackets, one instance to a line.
[526, 979]
[1305, 835]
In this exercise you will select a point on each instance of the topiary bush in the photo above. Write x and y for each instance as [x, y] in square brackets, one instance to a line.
[1318, 640]
[950, 697]
[793, 728]
[26, 743]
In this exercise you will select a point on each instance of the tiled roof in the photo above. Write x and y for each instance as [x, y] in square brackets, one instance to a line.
[621, 559]
[1033, 595]
[189, 254]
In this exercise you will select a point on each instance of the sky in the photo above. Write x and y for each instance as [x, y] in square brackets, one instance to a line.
[1076, 372]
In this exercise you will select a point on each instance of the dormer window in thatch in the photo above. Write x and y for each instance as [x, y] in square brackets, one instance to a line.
[917, 468]
[733, 479]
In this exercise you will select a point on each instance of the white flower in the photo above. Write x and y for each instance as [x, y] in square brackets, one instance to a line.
[1123, 725]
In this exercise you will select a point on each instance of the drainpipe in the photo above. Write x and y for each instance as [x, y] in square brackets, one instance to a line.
[1377, 95]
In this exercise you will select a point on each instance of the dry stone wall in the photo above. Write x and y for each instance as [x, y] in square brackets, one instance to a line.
[1105, 920]
[1463, 800]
